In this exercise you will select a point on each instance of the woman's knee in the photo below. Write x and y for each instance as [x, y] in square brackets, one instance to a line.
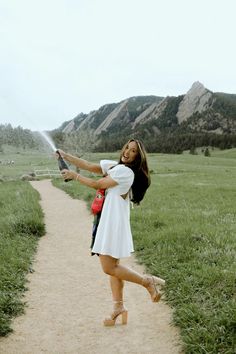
[108, 270]
[108, 265]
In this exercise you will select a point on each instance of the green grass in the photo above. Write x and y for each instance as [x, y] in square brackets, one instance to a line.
[25, 162]
[185, 232]
[189, 239]
[21, 223]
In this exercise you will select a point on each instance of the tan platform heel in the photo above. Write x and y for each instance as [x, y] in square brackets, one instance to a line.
[150, 283]
[119, 311]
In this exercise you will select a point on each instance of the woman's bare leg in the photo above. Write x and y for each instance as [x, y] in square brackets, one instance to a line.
[112, 267]
[117, 286]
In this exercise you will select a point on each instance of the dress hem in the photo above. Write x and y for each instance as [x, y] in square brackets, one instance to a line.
[106, 254]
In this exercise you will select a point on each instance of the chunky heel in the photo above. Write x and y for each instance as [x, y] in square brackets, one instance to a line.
[119, 311]
[124, 317]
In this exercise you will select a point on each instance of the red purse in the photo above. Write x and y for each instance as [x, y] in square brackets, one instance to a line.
[98, 201]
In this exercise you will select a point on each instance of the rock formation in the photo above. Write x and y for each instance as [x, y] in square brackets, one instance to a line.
[195, 100]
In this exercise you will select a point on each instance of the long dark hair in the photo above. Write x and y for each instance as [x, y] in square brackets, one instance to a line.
[140, 168]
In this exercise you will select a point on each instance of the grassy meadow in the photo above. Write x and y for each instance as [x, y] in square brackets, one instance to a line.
[184, 231]
[25, 162]
[21, 224]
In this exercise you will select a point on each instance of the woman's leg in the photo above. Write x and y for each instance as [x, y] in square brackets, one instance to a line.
[112, 267]
[117, 286]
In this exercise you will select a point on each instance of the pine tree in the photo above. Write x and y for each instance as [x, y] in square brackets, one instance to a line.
[207, 152]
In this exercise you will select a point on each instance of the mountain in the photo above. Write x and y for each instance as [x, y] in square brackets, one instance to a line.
[111, 115]
[165, 124]
[199, 111]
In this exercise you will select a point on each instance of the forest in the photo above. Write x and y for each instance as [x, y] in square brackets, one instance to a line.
[81, 142]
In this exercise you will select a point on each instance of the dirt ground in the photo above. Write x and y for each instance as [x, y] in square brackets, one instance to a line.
[69, 295]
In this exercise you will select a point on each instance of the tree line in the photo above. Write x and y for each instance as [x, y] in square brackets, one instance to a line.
[18, 137]
[171, 143]
[81, 142]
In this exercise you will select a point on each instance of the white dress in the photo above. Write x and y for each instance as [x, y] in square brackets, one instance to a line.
[114, 236]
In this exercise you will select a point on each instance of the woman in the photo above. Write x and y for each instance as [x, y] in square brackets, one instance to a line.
[129, 177]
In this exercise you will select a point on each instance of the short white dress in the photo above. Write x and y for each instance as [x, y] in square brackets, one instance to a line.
[114, 236]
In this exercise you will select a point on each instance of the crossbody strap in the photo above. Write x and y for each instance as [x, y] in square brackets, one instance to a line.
[124, 196]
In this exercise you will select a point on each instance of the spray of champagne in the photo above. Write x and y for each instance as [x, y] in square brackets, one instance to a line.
[61, 162]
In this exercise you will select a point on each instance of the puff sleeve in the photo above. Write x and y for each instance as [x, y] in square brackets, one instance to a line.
[123, 175]
[106, 165]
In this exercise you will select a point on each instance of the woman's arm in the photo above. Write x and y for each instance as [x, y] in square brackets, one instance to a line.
[81, 163]
[102, 183]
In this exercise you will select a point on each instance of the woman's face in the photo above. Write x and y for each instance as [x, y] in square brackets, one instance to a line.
[129, 152]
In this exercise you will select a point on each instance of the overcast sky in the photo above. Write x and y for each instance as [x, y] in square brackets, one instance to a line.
[62, 57]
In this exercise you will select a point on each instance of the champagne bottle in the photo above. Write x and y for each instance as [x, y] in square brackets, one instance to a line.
[62, 165]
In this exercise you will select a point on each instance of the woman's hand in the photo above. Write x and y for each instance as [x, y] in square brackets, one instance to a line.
[61, 152]
[68, 174]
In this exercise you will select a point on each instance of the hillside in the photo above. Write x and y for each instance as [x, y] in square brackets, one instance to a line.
[198, 110]
[111, 115]
[198, 113]
[165, 124]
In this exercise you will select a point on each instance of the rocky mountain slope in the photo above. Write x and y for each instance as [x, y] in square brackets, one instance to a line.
[196, 100]
[199, 110]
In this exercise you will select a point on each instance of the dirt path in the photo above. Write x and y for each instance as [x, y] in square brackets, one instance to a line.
[69, 295]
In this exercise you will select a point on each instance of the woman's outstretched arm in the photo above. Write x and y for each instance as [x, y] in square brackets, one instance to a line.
[81, 163]
[102, 183]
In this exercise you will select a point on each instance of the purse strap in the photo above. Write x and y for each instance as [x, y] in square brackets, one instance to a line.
[124, 196]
